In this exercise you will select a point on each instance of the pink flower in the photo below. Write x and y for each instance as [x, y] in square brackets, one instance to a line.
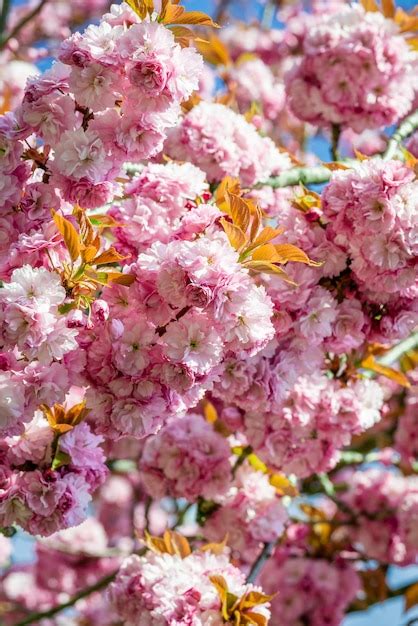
[187, 458]
[193, 343]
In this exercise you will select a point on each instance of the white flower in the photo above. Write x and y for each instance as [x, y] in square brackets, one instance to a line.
[81, 154]
[29, 285]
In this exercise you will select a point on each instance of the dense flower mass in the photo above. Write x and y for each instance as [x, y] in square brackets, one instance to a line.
[223, 143]
[168, 589]
[310, 588]
[208, 336]
[374, 214]
[186, 459]
[356, 70]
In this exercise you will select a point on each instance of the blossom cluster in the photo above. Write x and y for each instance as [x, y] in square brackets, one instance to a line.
[196, 305]
[157, 588]
[386, 506]
[47, 482]
[356, 70]
[197, 344]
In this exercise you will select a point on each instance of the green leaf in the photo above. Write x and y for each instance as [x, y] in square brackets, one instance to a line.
[61, 458]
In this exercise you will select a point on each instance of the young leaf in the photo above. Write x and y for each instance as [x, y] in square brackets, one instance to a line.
[267, 252]
[210, 412]
[389, 8]
[283, 485]
[288, 252]
[109, 256]
[268, 268]
[411, 596]
[239, 210]
[69, 234]
[370, 5]
[214, 51]
[236, 237]
[196, 18]
[141, 7]
[370, 363]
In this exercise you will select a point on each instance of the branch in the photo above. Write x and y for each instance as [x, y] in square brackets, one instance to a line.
[405, 129]
[257, 566]
[25, 20]
[100, 584]
[335, 140]
[5, 8]
[397, 351]
[306, 175]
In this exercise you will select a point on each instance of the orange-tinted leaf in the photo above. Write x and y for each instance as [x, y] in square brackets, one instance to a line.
[411, 596]
[267, 252]
[254, 598]
[236, 237]
[88, 253]
[176, 543]
[141, 7]
[413, 43]
[370, 363]
[120, 279]
[184, 35]
[267, 234]
[388, 8]
[360, 156]
[268, 268]
[109, 256]
[283, 485]
[335, 165]
[255, 618]
[189, 104]
[239, 210]
[221, 587]
[256, 223]
[370, 5]
[230, 184]
[215, 548]
[288, 252]
[214, 51]
[406, 22]
[69, 234]
[210, 412]
[76, 414]
[177, 15]
[155, 544]
[313, 512]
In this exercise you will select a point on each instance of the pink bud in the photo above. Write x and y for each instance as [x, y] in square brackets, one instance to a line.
[76, 319]
[100, 309]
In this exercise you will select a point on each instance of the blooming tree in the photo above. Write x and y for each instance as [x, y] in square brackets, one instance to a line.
[208, 337]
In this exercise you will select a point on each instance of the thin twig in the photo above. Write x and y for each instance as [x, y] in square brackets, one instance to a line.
[257, 566]
[405, 130]
[268, 15]
[36, 617]
[182, 514]
[335, 140]
[5, 8]
[25, 20]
